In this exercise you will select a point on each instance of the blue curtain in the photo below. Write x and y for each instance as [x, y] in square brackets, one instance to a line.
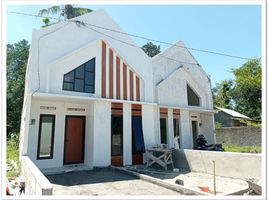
[137, 135]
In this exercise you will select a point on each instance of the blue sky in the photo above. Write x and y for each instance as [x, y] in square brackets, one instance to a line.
[230, 29]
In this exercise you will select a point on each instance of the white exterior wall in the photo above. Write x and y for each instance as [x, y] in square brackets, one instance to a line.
[168, 75]
[59, 133]
[173, 91]
[207, 127]
[89, 135]
[186, 134]
[102, 134]
[52, 59]
[60, 48]
[57, 69]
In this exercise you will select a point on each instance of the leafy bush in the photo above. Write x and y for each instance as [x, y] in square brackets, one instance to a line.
[242, 149]
[13, 154]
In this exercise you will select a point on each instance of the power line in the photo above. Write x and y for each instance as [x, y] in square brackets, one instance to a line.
[145, 38]
[137, 46]
[85, 25]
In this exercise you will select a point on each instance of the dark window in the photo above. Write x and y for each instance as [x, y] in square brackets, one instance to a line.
[163, 130]
[69, 77]
[79, 85]
[117, 135]
[193, 98]
[81, 79]
[194, 132]
[46, 137]
[68, 86]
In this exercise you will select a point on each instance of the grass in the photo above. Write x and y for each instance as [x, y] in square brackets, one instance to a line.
[242, 149]
[12, 154]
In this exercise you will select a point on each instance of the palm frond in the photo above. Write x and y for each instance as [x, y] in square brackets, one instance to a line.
[43, 12]
[54, 9]
[81, 11]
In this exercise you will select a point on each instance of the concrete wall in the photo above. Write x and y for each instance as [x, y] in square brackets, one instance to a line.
[173, 90]
[59, 133]
[102, 134]
[240, 136]
[35, 182]
[172, 72]
[207, 127]
[236, 165]
[52, 59]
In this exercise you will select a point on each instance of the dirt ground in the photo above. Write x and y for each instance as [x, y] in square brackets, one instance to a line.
[194, 179]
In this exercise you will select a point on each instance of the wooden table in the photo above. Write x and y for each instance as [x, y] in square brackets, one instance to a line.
[162, 157]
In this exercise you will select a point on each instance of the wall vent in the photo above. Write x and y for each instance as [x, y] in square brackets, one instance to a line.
[47, 108]
[76, 109]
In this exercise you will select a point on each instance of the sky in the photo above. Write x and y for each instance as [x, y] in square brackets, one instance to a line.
[229, 29]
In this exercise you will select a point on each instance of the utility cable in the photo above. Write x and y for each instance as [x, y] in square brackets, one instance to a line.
[145, 38]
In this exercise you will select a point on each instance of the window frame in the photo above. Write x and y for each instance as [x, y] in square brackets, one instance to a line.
[121, 135]
[52, 137]
[83, 79]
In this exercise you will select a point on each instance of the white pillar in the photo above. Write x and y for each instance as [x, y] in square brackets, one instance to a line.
[127, 134]
[89, 137]
[186, 133]
[170, 129]
[148, 125]
[102, 133]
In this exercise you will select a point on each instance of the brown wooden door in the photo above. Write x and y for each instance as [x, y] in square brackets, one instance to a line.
[74, 139]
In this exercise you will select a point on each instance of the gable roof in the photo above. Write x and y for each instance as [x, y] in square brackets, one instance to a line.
[180, 45]
[233, 113]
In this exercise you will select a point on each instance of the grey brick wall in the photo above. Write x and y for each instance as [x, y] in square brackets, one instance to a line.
[240, 136]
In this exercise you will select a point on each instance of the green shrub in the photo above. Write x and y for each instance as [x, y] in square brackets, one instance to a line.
[12, 153]
[242, 149]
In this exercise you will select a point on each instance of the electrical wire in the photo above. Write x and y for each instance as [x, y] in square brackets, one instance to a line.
[135, 46]
[145, 38]
[38, 53]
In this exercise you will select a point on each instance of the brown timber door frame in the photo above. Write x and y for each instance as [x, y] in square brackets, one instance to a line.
[78, 156]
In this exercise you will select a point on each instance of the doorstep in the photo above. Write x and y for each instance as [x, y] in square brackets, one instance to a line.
[65, 169]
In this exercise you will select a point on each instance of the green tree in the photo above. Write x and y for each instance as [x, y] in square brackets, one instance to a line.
[222, 94]
[17, 57]
[151, 49]
[242, 94]
[46, 21]
[64, 12]
[247, 89]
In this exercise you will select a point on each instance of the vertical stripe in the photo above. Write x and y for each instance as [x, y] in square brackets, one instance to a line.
[121, 79]
[107, 72]
[128, 90]
[124, 81]
[114, 72]
[134, 86]
[111, 75]
[103, 76]
[117, 77]
[137, 88]
[131, 85]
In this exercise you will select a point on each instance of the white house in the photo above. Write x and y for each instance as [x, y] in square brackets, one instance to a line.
[93, 97]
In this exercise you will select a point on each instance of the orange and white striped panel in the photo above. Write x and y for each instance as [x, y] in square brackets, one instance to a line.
[118, 80]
